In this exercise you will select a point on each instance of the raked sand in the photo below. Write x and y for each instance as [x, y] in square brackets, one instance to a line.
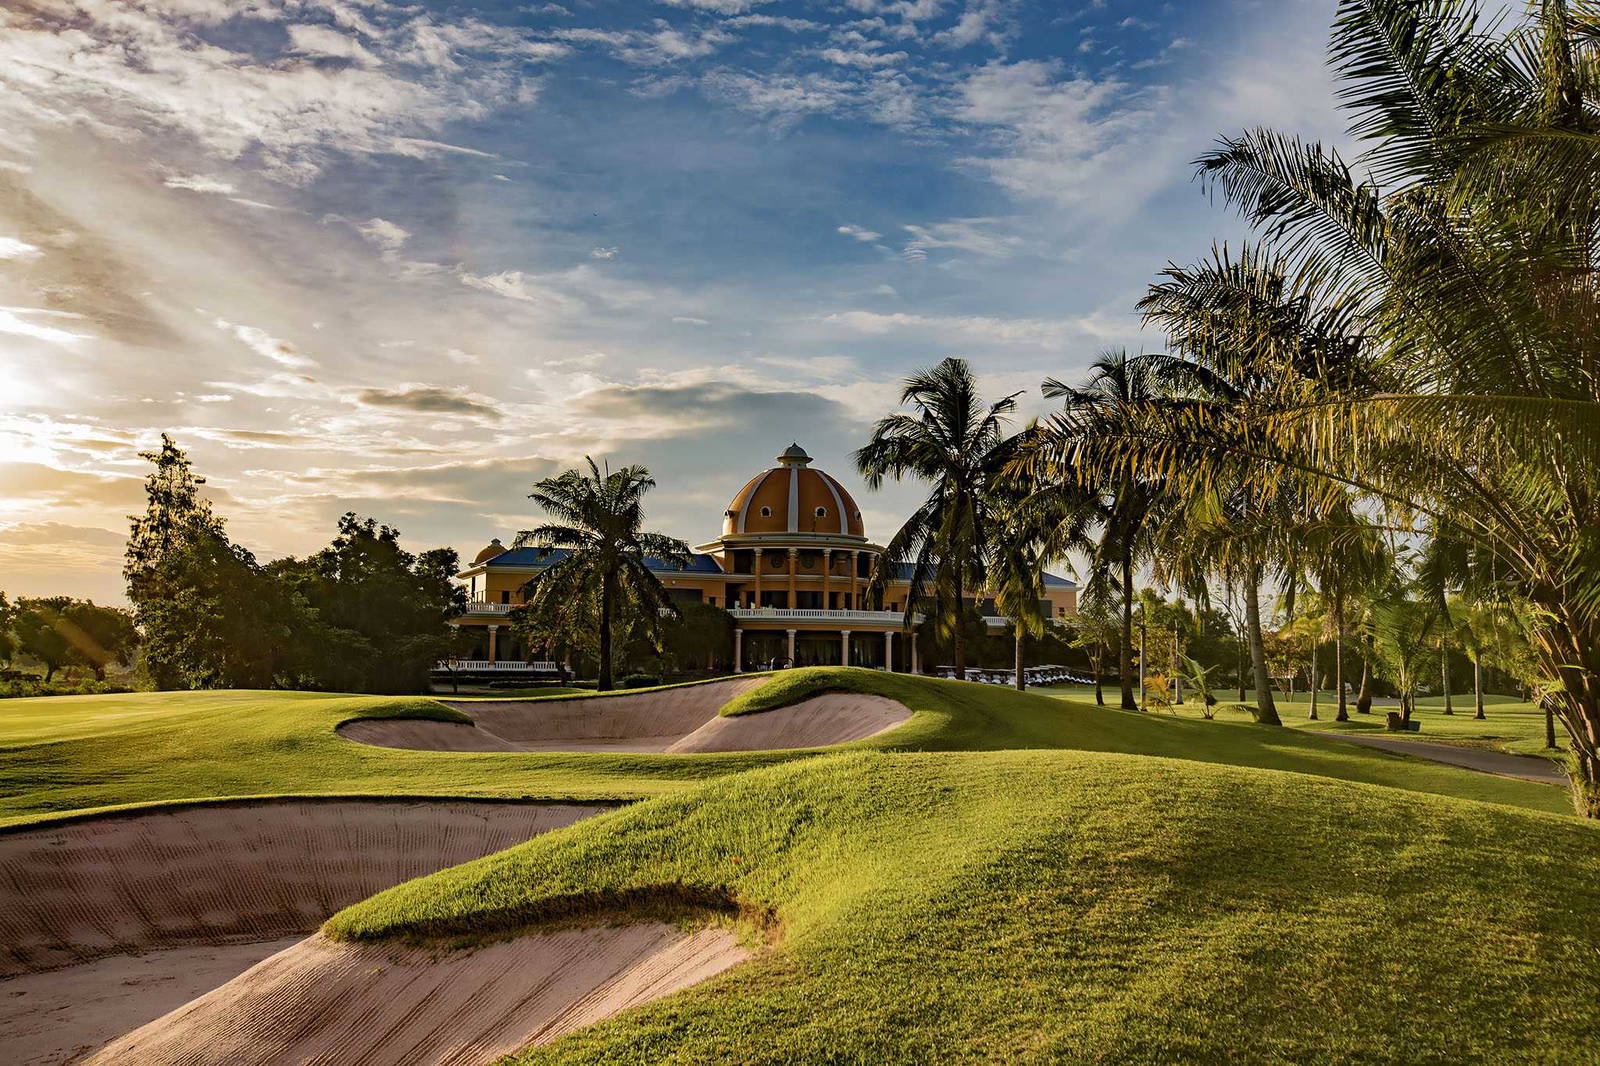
[109, 922]
[385, 1005]
[673, 720]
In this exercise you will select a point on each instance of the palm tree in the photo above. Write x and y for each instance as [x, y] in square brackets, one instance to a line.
[1016, 574]
[1468, 252]
[598, 517]
[1117, 385]
[956, 442]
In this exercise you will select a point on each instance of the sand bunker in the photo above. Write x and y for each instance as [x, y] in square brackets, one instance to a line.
[674, 720]
[331, 1003]
[110, 922]
[230, 872]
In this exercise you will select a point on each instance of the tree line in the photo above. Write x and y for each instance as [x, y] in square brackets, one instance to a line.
[361, 615]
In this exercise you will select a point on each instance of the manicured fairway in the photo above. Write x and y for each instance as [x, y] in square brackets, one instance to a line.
[1068, 906]
[1510, 724]
[66, 754]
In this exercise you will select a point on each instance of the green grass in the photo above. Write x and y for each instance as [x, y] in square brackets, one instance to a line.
[1071, 906]
[60, 755]
[1511, 724]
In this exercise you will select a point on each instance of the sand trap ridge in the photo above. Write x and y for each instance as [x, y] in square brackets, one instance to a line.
[674, 720]
[327, 1002]
[110, 922]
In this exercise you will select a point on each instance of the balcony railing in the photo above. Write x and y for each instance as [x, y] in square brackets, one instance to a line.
[510, 666]
[485, 607]
[817, 614]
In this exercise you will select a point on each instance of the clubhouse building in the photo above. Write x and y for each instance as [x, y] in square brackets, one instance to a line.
[791, 566]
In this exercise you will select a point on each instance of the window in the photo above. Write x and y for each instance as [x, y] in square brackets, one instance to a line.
[822, 512]
[712, 601]
[766, 512]
[505, 595]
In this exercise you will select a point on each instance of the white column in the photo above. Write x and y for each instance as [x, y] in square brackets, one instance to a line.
[791, 647]
[757, 569]
[916, 656]
[844, 647]
[888, 651]
[738, 650]
[492, 631]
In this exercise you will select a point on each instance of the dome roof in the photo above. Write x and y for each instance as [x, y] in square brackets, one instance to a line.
[490, 550]
[793, 498]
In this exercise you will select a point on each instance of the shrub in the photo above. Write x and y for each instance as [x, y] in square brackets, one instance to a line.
[639, 681]
[33, 686]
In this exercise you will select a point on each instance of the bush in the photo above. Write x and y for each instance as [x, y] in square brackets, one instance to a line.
[33, 686]
[639, 681]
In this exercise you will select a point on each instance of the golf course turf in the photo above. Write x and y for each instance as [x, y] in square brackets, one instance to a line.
[1004, 877]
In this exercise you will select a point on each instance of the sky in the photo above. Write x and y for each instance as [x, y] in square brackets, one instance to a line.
[406, 259]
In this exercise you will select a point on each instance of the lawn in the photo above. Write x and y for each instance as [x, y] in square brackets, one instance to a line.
[1510, 724]
[73, 753]
[1046, 906]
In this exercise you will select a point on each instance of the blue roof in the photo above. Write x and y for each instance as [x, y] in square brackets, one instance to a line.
[698, 564]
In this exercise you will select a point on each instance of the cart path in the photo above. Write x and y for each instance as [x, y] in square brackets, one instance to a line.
[1500, 763]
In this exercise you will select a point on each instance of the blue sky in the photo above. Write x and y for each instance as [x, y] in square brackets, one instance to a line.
[407, 258]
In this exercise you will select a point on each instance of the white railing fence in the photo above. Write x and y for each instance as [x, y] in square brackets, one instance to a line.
[476, 665]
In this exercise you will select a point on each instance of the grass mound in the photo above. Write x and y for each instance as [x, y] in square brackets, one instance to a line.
[69, 754]
[1048, 906]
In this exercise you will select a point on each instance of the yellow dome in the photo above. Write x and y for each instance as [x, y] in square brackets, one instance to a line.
[490, 550]
[793, 498]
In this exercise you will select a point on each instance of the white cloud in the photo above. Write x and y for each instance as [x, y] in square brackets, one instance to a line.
[199, 183]
[264, 344]
[141, 69]
[383, 233]
[12, 248]
[860, 233]
[687, 320]
[15, 320]
[604, 253]
[1073, 140]
[1039, 332]
[972, 235]
[330, 43]
[865, 60]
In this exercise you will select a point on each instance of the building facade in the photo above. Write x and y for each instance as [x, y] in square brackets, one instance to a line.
[791, 566]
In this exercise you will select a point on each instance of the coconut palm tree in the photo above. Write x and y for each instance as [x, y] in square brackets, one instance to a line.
[1117, 386]
[597, 530]
[1467, 247]
[957, 443]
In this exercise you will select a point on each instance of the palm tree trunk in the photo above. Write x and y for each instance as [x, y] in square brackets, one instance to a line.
[1364, 697]
[1243, 667]
[1266, 708]
[1099, 692]
[607, 593]
[1477, 689]
[1313, 715]
[1444, 676]
[958, 638]
[1022, 680]
[1126, 664]
[1338, 658]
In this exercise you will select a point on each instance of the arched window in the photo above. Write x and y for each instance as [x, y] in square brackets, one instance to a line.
[766, 512]
[822, 512]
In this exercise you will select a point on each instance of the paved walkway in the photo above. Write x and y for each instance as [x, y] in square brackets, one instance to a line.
[1504, 764]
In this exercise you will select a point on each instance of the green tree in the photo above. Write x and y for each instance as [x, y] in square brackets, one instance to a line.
[8, 620]
[384, 612]
[954, 441]
[1466, 246]
[209, 615]
[1097, 631]
[1117, 387]
[598, 520]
